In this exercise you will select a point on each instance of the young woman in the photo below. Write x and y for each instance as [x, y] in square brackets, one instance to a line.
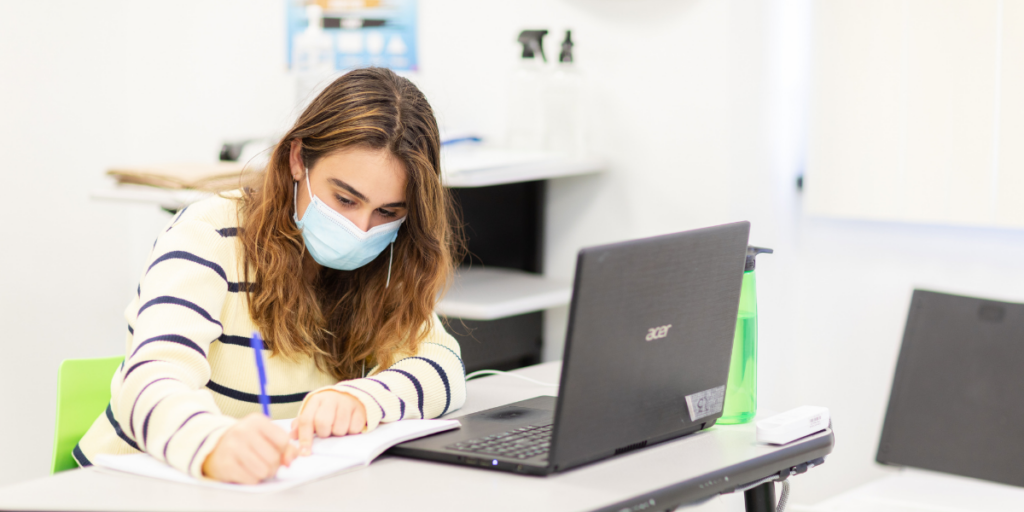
[337, 259]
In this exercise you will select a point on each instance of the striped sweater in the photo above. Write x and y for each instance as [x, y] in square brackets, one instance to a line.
[189, 371]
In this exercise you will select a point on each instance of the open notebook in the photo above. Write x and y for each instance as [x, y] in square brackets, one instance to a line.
[330, 455]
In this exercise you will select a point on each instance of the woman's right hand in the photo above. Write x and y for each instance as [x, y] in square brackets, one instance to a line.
[250, 452]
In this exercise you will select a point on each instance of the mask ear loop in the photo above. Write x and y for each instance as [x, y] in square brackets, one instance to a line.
[390, 259]
[308, 188]
[295, 195]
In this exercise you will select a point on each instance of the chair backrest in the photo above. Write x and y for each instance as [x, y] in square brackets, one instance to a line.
[83, 392]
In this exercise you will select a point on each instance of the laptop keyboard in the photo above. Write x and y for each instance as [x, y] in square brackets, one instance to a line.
[520, 443]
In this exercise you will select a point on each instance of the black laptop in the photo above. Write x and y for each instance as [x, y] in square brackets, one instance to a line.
[646, 359]
[956, 404]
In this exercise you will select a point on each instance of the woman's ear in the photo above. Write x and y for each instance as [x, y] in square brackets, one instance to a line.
[298, 168]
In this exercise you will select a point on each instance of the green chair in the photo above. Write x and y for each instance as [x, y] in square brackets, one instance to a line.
[83, 392]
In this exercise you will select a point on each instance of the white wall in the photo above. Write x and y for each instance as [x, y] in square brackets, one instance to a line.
[86, 85]
[697, 104]
[917, 111]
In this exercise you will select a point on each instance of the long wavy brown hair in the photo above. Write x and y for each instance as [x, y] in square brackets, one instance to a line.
[347, 318]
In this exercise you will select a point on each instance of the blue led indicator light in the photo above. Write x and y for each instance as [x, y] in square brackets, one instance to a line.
[494, 462]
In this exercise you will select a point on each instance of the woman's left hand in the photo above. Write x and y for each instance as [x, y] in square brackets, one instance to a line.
[328, 413]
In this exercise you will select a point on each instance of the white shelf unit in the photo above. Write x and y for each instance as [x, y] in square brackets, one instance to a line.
[481, 166]
[492, 293]
[464, 167]
[168, 199]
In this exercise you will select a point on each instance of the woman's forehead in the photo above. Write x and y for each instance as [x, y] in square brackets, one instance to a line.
[374, 173]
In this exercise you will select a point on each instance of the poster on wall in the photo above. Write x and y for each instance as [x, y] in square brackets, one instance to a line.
[360, 32]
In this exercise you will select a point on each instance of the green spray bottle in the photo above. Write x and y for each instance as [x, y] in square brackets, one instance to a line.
[741, 391]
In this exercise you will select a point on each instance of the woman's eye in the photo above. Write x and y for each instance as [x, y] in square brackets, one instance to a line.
[386, 213]
[345, 201]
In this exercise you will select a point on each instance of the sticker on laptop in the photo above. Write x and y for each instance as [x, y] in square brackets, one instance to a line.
[705, 403]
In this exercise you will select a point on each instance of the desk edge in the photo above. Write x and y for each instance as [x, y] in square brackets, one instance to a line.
[729, 479]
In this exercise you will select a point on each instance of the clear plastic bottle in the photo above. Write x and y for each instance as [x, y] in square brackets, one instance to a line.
[526, 116]
[741, 390]
[564, 114]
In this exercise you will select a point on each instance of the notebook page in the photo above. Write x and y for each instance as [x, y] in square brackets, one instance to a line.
[366, 447]
[330, 456]
[304, 469]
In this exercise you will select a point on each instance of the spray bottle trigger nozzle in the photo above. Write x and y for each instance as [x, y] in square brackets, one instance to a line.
[752, 252]
[533, 43]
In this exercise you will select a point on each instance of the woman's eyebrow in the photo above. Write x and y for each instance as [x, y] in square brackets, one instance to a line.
[348, 187]
[353, 191]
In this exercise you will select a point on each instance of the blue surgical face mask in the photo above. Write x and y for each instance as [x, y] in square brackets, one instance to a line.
[334, 241]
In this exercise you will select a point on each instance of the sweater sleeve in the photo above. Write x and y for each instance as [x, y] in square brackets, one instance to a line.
[428, 384]
[161, 404]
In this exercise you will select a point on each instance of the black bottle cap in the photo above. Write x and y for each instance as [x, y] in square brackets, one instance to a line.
[566, 55]
[752, 252]
[533, 43]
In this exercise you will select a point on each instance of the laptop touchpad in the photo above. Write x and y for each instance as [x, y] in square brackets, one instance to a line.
[515, 414]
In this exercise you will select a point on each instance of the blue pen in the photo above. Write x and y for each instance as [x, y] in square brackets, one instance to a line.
[257, 346]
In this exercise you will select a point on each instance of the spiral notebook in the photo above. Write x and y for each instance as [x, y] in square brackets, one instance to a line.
[330, 456]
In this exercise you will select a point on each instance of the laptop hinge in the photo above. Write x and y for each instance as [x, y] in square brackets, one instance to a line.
[631, 447]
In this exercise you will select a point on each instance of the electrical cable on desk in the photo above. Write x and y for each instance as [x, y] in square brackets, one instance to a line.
[784, 497]
[481, 373]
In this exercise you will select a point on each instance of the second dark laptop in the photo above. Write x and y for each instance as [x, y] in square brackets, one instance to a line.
[956, 405]
[646, 359]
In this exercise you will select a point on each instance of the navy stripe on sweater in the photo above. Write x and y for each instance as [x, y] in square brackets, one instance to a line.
[168, 443]
[253, 398]
[117, 429]
[238, 287]
[371, 396]
[200, 447]
[241, 341]
[134, 366]
[76, 452]
[167, 299]
[131, 416]
[453, 353]
[415, 384]
[444, 379]
[401, 403]
[145, 423]
[177, 217]
[173, 338]
[226, 232]
[185, 255]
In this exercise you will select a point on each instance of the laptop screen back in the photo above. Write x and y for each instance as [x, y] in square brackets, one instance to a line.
[956, 404]
[651, 322]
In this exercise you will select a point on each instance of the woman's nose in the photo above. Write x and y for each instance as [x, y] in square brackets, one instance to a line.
[362, 220]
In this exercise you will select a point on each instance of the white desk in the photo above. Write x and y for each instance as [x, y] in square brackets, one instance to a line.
[649, 479]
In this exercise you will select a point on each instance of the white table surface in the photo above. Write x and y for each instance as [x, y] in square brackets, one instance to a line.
[392, 483]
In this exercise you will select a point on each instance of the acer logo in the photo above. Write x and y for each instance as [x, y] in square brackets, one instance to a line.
[655, 333]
